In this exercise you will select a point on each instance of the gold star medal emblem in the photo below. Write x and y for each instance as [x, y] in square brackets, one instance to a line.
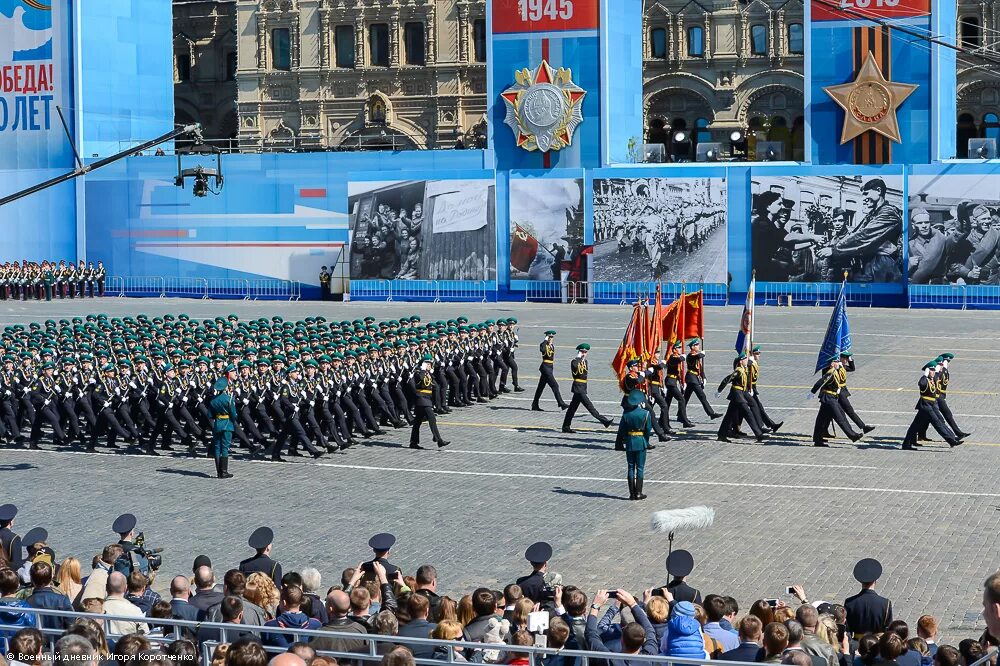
[870, 102]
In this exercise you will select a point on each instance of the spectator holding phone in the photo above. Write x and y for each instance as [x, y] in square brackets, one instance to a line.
[638, 637]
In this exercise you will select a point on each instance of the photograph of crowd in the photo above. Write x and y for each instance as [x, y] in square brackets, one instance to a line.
[813, 229]
[668, 229]
[546, 229]
[423, 230]
[954, 235]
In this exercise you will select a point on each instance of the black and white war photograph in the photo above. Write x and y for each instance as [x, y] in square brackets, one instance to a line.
[816, 228]
[422, 230]
[954, 233]
[546, 227]
[663, 229]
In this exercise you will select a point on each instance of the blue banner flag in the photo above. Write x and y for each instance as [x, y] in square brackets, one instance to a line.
[838, 333]
[744, 337]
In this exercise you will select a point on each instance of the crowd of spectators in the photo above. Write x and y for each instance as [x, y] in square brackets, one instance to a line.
[375, 597]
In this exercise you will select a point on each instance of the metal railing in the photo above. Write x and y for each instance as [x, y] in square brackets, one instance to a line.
[535, 655]
[203, 288]
[627, 293]
[428, 291]
[813, 293]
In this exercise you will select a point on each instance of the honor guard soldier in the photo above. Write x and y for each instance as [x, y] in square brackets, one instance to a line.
[942, 377]
[424, 386]
[680, 564]
[9, 541]
[261, 540]
[694, 380]
[927, 411]
[546, 373]
[867, 612]
[634, 430]
[538, 554]
[578, 368]
[672, 385]
[829, 387]
[223, 425]
[739, 405]
[847, 365]
[380, 544]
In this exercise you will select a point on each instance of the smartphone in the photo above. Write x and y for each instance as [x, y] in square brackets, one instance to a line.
[790, 589]
[771, 602]
[613, 594]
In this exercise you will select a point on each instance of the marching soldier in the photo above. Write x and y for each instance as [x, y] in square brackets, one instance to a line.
[756, 406]
[633, 431]
[739, 405]
[672, 385]
[578, 369]
[943, 378]
[829, 387]
[927, 411]
[424, 387]
[847, 365]
[694, 379]
[546, 373]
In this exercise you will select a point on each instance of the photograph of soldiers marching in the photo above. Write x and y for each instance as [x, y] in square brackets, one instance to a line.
[664, 229]
[813, 229]
[29, 280]
[546, 229]
[954, 230]
[423, 230]
[274, 386]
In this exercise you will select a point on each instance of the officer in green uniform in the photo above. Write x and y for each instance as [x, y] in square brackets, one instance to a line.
[633, 432]
[224, 417]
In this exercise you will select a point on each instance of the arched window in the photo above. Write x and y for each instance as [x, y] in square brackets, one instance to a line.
[758, 39]
[658, 43]
[696, 41]
[991, 126]
[795, 38]
[966, 130]
[970, 33]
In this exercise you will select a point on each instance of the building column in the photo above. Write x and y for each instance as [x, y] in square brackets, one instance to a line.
[261, 42]
[431, 35]
[394, 40]
[771, 37]
[324, 39]
[359, 42]
[708, 36]
[681, 38]
[463, 34]
[296, 41]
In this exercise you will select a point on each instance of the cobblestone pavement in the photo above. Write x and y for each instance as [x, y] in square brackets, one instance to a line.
[785, 512]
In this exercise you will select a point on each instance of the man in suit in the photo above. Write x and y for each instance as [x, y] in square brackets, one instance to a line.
[180, 597]
[9, 541]
[750, 636]
[867, 612]
[538, 554]
[578, 368]
[419, 626]
[261, 540]
[680, 564]
[205, 595]
[546, 377]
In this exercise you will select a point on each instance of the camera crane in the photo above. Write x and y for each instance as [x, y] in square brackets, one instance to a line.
[193, 130]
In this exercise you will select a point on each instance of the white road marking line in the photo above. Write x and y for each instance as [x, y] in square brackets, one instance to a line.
[778, 464]
[520, 453]
[554, 477]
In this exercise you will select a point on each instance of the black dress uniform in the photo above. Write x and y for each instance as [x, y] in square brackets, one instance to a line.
[927, 412]
[867, 612]
[9, 541]
[942, 379]
[694, 380]
[424, 387]
[672, 386]
[532, 585]
[381, 544]
[847, 365]
[680, 564]
[261, 538]
[578, 368]
[829, 387]
[739, 405]
[546, 376]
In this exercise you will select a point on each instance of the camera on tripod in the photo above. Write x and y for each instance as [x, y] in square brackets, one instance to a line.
[152, 555]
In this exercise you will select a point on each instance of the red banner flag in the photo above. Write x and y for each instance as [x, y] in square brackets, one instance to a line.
[655, 338]
[626, 350]
[694, 319]
[668, 326]
[523, 249]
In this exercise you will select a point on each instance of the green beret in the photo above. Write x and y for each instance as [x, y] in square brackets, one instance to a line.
[583, 347]
[427, 358]
[548, 333]
[930, 365]
[694, 341]
[846, 354]
[741, 356]
[947, 356]
[756, 349]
